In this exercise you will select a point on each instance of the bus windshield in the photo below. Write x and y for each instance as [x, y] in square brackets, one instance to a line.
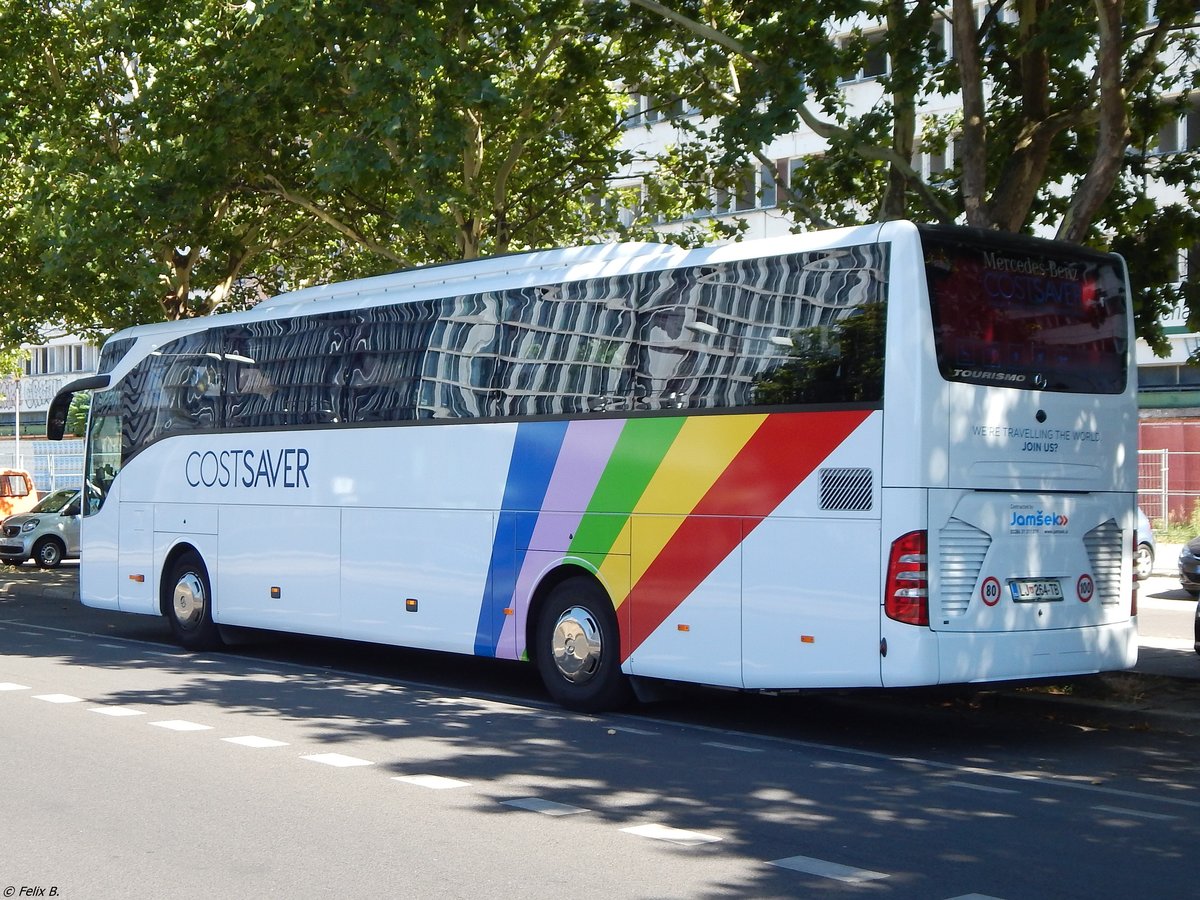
[1010, 315]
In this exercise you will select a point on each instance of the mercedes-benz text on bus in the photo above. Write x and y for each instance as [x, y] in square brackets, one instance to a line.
[884, 455]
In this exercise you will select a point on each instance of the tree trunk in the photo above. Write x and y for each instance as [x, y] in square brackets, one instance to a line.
[974, 130]
[904, 127]
[1113, 132]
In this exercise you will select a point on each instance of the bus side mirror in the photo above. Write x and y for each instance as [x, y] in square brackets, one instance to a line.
[56, 415]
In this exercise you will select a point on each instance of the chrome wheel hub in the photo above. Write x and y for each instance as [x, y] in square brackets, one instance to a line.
[188, 602]
[576, 645]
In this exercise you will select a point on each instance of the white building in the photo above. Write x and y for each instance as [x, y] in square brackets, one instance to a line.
[47, 368]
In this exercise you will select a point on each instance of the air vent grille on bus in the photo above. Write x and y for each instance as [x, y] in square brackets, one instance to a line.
[847, 490]
[960, 559]
[1104, 544]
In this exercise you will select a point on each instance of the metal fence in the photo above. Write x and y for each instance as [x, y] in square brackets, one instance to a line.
[53, 464]
[1169, 484]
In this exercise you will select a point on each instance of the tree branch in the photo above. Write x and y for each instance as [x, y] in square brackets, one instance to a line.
[276, 187]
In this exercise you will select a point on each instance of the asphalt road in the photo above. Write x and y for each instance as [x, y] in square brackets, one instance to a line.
[293, 768]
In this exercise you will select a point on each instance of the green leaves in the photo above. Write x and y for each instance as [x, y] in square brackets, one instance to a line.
[166, 160]
[172, 160]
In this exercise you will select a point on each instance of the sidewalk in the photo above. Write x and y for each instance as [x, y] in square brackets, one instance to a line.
[1169, 657]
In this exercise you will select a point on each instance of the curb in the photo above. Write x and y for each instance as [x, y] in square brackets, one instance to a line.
[51, 593]
[1101, 713]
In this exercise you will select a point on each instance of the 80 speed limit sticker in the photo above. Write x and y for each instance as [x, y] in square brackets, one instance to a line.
[990, 592]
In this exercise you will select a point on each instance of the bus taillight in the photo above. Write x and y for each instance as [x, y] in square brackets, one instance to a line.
[907, 590]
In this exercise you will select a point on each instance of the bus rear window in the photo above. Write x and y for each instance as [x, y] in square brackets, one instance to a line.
[1023, 315]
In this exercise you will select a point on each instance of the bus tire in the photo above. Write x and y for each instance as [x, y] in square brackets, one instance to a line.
[48, 553]
[578, 648]
[187, 603]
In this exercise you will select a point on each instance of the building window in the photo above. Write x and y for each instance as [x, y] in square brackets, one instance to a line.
[795, 176]
[1189, 264]
[1168, 378]
[769, 194]
[747, 196]
[646, 109]
[1182, 133]
[933, 164]
[875, 61]
[940, 39]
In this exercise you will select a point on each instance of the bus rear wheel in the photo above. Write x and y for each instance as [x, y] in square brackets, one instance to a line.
[187, 603]
[578, 648]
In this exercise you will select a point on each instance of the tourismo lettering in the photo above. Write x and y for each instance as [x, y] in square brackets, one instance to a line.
[248, 468]
[1038, 519]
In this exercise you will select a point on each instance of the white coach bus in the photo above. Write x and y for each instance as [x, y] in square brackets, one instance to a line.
[883, 455]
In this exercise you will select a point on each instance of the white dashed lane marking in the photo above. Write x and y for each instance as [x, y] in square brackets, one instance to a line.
[1120, 811]
[338, 760]
[181, 725]
[986, 788]
[847, 767]
[737, 747]
[673, 835]
[824, 869]
[117, 711]
[257, 743]
[545, 807]
[433, 782]
[10, 686]
[58, 698]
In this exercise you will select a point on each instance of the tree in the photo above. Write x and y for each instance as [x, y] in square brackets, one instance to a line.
[125, 147]
[1061, 104]
[173, 160]
[446, 130]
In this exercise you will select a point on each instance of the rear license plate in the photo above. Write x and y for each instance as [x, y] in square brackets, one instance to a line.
[1035, 590]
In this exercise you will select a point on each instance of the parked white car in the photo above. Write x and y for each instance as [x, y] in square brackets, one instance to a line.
[47, 534]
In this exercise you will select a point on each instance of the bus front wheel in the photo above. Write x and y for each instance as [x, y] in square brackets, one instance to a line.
[187, 602]
[578, 648]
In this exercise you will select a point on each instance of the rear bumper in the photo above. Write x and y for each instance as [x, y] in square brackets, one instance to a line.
[1009, 656]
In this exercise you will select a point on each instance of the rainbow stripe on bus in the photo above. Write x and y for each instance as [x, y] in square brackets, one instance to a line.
[698, 484]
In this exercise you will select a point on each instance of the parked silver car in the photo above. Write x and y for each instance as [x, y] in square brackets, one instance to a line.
[47, 534]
